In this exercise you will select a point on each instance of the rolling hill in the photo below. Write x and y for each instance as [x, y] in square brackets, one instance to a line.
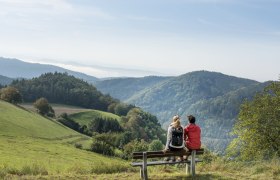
[62, 88]
[32, 144]
[5, 80]
[84, 118]
[20, 122]
[15, 68]
[124, 88]
[176, 95]
[214, 98]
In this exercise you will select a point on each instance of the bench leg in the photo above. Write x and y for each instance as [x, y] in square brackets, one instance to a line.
[193, 163]
[144, 168]
[190, 167]
[141, 173]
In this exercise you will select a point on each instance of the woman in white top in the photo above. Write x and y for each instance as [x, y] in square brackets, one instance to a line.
[175, 136]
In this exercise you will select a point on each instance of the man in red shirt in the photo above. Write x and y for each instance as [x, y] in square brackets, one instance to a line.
[192, 134]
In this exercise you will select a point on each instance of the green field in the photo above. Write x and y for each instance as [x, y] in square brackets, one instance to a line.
[31, 143]
[33, 147]
[84, 118]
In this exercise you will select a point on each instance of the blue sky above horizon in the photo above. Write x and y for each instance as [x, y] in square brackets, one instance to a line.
[167, 37]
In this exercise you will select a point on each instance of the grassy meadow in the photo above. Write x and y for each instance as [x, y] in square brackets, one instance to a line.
[31, 144]
[33, 147]
[84, 118]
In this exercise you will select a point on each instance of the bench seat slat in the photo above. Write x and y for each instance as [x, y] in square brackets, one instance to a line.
[153, 163]
[161, 152]
[168, 152]
[157, 154]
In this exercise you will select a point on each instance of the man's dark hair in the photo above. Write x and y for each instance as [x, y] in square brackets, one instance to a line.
[191, 119]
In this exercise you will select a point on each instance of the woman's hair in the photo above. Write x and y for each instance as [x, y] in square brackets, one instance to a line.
[176, 121]
[175, 118]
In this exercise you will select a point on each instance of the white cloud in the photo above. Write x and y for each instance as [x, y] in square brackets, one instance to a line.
[54, 4]
[50, 7]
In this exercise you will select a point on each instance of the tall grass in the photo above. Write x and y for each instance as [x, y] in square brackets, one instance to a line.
[262, 169]
[32, 169]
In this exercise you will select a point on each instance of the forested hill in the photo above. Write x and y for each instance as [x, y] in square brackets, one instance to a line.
[133, 123]
[15, 68]
[214, 98]
[63, 89]
[124, 88]
[177, 94]
[5, 80]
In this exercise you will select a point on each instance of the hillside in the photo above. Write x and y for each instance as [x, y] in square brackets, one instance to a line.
[19, 122]
[5, 80]
[218, 115]
[32, 144]
[15, 68]
[178, 93]
[131, 86]
[62, 88]
[84, 118]
[48, 153]
[214, 98]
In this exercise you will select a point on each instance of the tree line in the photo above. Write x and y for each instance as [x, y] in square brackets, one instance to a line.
[114, 137]
[64, 89]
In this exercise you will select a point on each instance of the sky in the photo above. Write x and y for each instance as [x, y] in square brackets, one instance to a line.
[109, 38]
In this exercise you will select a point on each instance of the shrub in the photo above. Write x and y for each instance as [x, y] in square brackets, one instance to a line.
[78, 145]
[155, 145]
[135, 145]
[43, 107]
[102, 144]
[10, 94]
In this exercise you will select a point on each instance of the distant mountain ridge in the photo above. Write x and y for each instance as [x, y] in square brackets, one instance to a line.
[5, 80]
[124, 88]
[15, 68]
[178, 93]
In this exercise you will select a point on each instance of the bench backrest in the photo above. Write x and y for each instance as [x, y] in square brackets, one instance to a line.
[156, 154]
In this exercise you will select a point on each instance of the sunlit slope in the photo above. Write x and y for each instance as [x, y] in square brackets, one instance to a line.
[54, 156]
[84, 118]
[15, 121]
[30, 141]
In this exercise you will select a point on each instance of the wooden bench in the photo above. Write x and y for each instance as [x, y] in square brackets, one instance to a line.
[190, 167]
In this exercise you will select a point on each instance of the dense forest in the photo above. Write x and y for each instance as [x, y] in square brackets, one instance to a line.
[64, 89]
